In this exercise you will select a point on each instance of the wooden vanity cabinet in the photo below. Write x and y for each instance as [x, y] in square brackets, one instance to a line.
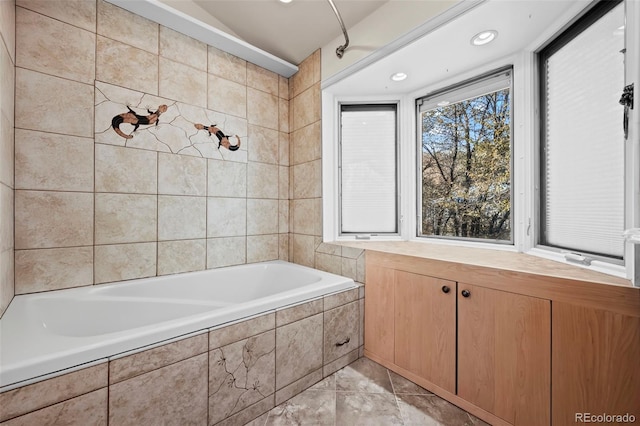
[524, 342]
[483, 347]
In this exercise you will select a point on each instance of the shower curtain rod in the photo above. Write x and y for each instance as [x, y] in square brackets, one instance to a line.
[340, 49]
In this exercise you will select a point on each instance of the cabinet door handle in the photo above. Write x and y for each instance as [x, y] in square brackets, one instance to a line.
[466, 293]
[445, 289]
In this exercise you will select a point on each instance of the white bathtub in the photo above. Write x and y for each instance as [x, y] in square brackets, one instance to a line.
[43, 333]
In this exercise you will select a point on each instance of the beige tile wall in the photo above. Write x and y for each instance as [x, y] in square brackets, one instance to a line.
[7, 86]
[88, 211]
[305, 180]
[305, 155]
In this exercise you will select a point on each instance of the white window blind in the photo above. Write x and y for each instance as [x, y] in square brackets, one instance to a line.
[465, 91]
[368, 184]
[583, 179]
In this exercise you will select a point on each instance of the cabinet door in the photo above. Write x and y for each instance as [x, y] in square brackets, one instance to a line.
[595, 363]
[425, 322]
[378, 308]
[504, 353]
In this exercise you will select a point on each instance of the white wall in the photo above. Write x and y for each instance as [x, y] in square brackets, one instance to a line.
[389, 22]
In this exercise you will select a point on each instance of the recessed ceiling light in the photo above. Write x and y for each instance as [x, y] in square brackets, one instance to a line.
[285, 1]
[484, 37]
[399, 76]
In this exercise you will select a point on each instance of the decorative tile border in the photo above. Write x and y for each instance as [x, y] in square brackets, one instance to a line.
[175, 130]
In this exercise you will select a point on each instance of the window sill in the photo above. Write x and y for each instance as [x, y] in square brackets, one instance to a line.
[500, 260]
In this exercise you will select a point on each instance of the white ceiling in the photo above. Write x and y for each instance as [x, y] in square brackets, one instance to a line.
[289, 31]
[293, 31]
[446, 52]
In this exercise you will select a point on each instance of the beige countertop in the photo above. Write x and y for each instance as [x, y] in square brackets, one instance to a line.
[488, 258]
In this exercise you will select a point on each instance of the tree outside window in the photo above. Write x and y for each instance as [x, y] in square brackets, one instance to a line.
[466, 168]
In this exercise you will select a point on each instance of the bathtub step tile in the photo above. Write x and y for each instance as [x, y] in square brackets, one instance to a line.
[295, 313]
[38, 395]
[240, 331]
[172, 395]
[241, 374]
[339, 299]
[85, 410]
[143, 362]
[298, 350]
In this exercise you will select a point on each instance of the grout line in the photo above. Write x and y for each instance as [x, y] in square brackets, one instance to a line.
[335, 393]
[208, 352]
[206, 211]
[92, 84]
[93, 137]
[158, 56]
[157, 213]
[393, 388]
[395, 398]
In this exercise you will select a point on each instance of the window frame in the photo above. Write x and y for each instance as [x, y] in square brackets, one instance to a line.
[580, 23]
[456, 89]
[369, 106]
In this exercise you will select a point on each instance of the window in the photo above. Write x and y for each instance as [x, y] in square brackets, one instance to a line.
[465, 160]
[368, 169]
[524, 153]
[582, 143]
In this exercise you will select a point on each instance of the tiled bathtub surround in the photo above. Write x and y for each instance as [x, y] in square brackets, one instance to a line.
[228, 376]
[7, 84]
[305, 179]
[305, 188]
[93, 207]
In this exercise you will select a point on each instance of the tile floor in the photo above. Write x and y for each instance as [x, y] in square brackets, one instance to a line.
[366, 393]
